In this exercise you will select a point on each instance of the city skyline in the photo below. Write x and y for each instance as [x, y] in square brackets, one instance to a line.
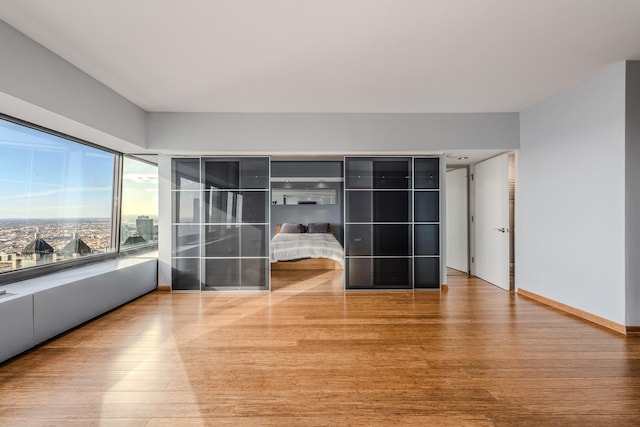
[18, 235]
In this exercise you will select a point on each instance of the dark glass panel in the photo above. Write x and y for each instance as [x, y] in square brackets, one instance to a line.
[379, 240]
[379, 273]
[221, 273]
[378, 172]
[378, 206]
[359, 206]
[186, 174]
[253, 241]
[254, 273]
[359, 238]
[392, 173]
[186, 206]
[184, 274]
[253, 206]
[427, 271]
[224, 174]
[392, 273]
[427, 173]
[392, 240]
[254, 173]
[186, 240]
[392, 206]
[427, 239]
[359, 173]
[306, 168]
[222, 241]
[427, 207]
[359, 273]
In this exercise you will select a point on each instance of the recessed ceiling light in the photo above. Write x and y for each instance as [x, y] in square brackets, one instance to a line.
[457, 156]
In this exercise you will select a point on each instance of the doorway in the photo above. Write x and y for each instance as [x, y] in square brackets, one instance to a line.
[457, 224]
[305, 192]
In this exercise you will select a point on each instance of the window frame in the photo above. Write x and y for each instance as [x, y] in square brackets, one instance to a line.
[10, 277]
[137, 248]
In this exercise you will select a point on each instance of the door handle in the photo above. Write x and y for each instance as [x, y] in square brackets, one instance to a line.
[502, 230]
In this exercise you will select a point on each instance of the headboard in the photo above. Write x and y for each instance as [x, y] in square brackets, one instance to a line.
[278, 226]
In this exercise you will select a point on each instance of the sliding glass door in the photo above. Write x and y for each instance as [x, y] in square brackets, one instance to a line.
[220, 224]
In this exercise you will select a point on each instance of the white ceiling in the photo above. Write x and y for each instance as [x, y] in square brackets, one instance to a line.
[334, 55]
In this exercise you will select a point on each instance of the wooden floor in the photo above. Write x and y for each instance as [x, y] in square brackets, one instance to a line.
[475, 355]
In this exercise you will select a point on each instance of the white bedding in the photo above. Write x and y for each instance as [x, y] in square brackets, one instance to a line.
[292, 246]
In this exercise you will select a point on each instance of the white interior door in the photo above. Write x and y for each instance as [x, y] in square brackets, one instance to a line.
[491, 220]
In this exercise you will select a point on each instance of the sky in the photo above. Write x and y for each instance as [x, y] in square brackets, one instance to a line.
[45, 176]
[139, 188]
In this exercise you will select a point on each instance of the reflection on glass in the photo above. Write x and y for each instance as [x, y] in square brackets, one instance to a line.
[222, 240]
[184, 274]
[254, 273]
[223, 221]
[186, 174]
[254, 241]
[186, 206]
[221, 273]
[254, 173]
[186, 240]
[235, 206]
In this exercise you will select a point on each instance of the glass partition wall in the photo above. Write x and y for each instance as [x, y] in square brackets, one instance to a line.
[392, 222]
[221, 217]
[220, 220]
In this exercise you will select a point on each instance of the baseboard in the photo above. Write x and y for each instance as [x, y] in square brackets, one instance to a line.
[617, 327]
[633, 330]
[164, 288]
[307, 264]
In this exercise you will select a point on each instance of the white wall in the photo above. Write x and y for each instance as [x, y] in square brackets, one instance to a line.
[164, 220]
[329, 133]
[38, 86]
[570, 205]
[457, 220]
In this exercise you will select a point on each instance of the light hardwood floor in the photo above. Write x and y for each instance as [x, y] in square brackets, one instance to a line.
[475, 355]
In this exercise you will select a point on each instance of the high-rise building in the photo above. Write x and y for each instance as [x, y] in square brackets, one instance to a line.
[144, 224]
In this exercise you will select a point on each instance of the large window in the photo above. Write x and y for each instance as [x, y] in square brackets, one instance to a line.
[139, 220]
[56, 198]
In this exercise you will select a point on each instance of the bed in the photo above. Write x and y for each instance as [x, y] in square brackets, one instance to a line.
[295, 248]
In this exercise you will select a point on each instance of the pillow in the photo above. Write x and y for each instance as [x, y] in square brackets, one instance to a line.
[292, 228]
[319, 227]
